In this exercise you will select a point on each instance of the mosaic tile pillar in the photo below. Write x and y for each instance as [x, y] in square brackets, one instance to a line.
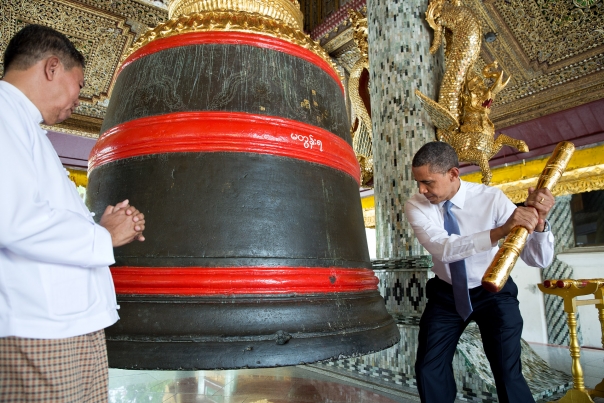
[562, 227]
[399, 62]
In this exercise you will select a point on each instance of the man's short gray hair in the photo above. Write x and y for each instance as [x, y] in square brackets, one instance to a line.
[438, 155]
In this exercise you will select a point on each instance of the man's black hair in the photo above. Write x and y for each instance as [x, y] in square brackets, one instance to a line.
[438, 155]
[35, 42]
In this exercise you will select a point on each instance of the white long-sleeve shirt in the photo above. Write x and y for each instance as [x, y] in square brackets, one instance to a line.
[478, 209]
[54, 279]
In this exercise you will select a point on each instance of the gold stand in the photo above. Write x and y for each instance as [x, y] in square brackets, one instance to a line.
[569, 290]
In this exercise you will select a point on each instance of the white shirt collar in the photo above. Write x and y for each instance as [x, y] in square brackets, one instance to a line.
[459, 198]
[29, 106]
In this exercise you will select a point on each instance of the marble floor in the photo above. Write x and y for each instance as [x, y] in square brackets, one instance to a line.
[558, 357]
[298, 384]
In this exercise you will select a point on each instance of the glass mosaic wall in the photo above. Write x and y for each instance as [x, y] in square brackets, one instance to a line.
[400, 62]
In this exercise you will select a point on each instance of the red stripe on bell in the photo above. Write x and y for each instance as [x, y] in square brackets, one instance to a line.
[224, 132]
[240, 280]
[232, 38]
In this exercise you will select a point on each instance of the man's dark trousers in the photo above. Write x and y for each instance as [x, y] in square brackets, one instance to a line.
[498, 318]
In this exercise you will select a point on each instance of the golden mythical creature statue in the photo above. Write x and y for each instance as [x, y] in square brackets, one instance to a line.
[461, 115]
[358, 90]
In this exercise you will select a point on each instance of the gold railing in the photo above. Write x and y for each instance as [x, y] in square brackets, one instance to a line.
[569, 290]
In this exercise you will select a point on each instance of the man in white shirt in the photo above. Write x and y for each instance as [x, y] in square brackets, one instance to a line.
[56, 291]
[460, 223]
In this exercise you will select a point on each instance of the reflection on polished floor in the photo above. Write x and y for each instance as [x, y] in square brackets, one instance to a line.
[558, 357]
[293, 384]
[271, 385]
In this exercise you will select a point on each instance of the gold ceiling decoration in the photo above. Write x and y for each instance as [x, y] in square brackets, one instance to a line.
[93, 33]
[346, 37]
[554, 51]
[157, 3]
[132, 10]
[83, 126]
[553, 31]
[101, 29]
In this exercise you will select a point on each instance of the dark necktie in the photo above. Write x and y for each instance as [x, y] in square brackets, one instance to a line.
[463, 305]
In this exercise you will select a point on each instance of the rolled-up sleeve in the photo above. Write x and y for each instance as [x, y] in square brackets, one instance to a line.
[539, 249]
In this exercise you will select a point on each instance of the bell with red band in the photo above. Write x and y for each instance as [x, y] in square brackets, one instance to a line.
[235, 144]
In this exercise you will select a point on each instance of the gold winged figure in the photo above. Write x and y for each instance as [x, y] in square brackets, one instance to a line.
[461, 114]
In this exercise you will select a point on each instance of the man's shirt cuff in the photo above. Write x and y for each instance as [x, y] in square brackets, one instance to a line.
[482, 242]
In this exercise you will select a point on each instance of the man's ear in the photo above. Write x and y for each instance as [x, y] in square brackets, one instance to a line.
[454, 172]
[51, 65]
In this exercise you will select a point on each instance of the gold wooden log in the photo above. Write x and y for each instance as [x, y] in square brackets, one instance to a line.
[500, 268]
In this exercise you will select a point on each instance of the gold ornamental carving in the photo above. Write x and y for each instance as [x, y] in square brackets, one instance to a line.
[553, 49]
[552, 31]
[287, 11]
[500, 268]
[585, 173]
[339, 41]
[358, 91]
[347, 56]
[100, 36]
[461, 114]
[577, 181]
[369, 217]
[237, 21]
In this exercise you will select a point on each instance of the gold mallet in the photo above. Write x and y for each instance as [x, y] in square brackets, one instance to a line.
[500, 268]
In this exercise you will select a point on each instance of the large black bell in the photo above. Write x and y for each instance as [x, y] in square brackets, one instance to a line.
[236, 147]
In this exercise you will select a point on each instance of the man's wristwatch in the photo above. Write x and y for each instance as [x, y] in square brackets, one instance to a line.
[546, 227]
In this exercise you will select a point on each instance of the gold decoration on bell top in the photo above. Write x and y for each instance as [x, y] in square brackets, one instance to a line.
[287, 11]
[239, 21]
[500, 268]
